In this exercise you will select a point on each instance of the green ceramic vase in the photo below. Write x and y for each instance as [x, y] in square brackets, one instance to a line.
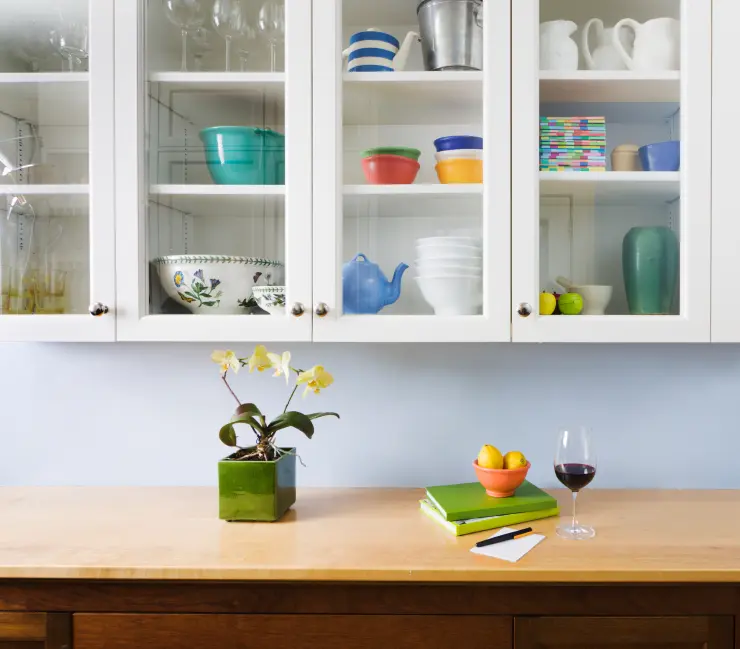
[650, 265]
[256, 491]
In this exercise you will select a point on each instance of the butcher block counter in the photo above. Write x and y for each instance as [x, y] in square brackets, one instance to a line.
[132, 567]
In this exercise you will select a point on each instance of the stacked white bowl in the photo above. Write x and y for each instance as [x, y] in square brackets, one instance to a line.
[450, 274]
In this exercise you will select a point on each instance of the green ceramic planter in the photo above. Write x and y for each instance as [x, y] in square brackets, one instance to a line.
[256, 491]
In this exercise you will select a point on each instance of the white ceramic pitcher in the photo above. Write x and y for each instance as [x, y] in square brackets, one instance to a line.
[558, 51]
[605, 56]
[657, 44]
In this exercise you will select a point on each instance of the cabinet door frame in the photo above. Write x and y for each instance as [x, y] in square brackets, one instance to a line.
[693, 325]
[328, 255]
[134, 322]
[101, 205]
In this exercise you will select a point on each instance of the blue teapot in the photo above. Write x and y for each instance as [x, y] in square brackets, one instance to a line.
[366, 289]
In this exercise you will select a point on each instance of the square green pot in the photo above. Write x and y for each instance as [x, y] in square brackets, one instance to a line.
[256, 491]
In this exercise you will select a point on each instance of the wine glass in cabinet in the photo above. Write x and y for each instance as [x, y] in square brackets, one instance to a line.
[56, 172]
[404, 250]
[216, 240]
[611, 170]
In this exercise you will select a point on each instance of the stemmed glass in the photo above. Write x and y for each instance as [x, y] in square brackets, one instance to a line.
[248, 35]
[575, 467]
[201, 47]
[229, 20]
[187, 15]
[71, 41]
[271, 24]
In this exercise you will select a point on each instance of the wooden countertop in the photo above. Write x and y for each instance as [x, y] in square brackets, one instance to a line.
[355, 535]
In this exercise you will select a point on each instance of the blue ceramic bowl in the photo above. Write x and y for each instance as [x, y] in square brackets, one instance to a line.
[661, 156]
[458, 142]
[242, 155]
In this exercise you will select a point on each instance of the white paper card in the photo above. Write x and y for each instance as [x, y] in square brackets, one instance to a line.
[509, 550]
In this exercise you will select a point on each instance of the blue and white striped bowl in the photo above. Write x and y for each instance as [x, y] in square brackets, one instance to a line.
[371, 51]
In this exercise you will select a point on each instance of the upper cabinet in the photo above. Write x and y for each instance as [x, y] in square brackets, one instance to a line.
[611, 159]
[56, 170]
[213, 158]
[411, 164]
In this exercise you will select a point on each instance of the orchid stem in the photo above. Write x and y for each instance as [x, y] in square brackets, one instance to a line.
[290, 399]
[233, 394]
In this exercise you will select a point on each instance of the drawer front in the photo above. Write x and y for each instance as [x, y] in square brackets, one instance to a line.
[108, 631]
[35, 631]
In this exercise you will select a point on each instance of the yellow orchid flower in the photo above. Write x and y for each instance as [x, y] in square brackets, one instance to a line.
[316, 379]
[281, 365]
[227, 360]
[259, 359]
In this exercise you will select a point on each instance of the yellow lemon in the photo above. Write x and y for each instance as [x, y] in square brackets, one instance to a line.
[490, 458]
[514, 460]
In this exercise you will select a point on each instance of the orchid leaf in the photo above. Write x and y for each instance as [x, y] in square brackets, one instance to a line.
[247, 409]
[317, 415]
[227, 435]
[293, 419]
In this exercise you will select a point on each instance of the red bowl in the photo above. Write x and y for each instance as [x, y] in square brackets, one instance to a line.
[501, 483]
[390, 169]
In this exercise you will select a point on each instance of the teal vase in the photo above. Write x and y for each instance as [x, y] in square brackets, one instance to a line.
[650, 265]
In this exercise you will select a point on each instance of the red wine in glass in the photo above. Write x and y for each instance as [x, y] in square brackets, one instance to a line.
[575, 476]
[575, 467]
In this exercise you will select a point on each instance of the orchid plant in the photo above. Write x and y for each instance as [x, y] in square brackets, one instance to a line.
[315, 380]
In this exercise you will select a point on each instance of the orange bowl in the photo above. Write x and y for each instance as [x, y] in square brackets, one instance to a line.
[459, 170]
[501, 483]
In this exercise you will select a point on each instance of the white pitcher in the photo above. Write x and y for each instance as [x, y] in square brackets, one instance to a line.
[605, 56]
[558, 51]
[657, 44]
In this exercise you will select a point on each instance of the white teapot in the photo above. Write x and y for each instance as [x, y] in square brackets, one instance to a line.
[558, 51]
[605, 56]
[657, 44]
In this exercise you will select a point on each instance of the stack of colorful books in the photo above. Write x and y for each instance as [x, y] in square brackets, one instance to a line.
[572, 144]
[466, 508]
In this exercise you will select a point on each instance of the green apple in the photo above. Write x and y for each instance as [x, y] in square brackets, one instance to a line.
[547, 303]
[570, 303]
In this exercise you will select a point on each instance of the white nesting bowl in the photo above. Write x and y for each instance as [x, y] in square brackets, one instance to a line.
[449, 271]
[270, 299]
[453, 296]
[453, 239]
[472, 265]
[446, 250]
[452, 154]
[215, 284]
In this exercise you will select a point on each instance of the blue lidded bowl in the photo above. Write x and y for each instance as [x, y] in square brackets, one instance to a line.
[452, 142]
[661, 156]
[244, 155]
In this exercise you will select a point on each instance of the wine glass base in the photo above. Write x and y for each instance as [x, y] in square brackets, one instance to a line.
[577, 533]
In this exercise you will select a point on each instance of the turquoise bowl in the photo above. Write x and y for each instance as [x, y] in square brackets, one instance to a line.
[243, 155]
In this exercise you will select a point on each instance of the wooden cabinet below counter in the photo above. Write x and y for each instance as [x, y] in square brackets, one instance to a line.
[35, 631]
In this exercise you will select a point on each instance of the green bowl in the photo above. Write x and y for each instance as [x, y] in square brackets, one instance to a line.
[392, 150]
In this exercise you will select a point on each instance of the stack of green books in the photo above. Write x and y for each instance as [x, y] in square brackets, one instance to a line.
[467, 508]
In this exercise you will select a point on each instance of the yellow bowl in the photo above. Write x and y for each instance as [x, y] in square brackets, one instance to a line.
[460, 170]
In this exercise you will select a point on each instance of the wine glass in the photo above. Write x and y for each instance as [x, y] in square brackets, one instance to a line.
[575, 467]
[187, 15]
[248, 35]
[271, 23]
[230, 20]
[201, 47]
[71, 41]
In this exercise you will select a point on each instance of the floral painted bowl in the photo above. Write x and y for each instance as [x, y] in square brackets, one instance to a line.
[215, 284]
[270, 299]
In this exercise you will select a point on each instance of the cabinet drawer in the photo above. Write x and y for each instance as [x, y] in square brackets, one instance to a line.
[108, 631]
[35, 631]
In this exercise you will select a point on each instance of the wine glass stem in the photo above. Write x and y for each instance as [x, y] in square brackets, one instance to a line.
[272, 56]
[70, 63]
[228, 53]
[574, 522]
[184, 62]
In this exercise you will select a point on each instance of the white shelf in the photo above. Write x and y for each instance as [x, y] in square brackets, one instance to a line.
[43, 77]
[413, 97]
[271, 84]
[612, 186]
[610, 86]
[413, 190]
[225, 200]
[45, 190]
[217, 190]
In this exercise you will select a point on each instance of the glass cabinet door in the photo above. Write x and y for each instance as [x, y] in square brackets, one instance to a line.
[411, 170]
[56, 170]
[611, 151]
[213, 137]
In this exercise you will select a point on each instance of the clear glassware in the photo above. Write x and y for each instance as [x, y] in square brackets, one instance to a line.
[229, 20]
[188, 15]
[575, 467]
[71, 41]
[248, 35]
[201, 47]
[271, 24]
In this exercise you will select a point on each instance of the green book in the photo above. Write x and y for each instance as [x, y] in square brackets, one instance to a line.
[471, 525]
[470, 500]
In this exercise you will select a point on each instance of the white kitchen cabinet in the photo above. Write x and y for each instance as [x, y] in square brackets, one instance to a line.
[56, 171]
[167, 203]
[573, 224]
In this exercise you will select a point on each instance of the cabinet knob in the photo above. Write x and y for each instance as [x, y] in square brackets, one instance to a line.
[321, 310]
[524, 310]
[298, 310]
[98, 309]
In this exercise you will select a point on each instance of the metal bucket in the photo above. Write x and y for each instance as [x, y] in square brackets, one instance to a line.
[451, 34]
